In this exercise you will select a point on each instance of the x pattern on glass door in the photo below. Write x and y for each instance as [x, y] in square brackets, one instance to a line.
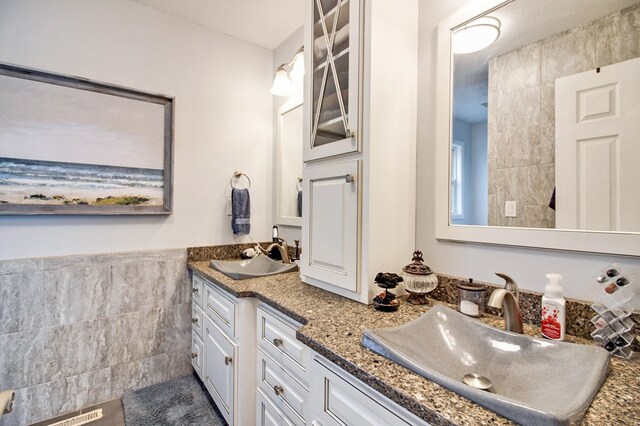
[329, 37]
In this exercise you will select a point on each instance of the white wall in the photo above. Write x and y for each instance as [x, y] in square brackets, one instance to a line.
[223, 118]
[281, 55]
[527, 266]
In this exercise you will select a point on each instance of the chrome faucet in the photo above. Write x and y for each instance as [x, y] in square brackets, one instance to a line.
[505, 299]
[279, 246]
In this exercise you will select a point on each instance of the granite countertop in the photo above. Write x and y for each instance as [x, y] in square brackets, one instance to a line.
[333, 327]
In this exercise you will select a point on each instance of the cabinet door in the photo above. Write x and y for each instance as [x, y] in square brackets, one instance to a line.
[330, 224]
[220, 368]
[332, 117]
[197, 354]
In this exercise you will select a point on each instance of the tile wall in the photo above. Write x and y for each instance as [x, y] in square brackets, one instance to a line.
[78, 330]
[521, 149]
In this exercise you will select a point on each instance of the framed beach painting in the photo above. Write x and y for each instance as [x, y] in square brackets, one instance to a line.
[74, 146]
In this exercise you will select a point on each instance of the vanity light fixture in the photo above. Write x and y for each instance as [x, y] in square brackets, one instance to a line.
[288, 76]
[476, 35]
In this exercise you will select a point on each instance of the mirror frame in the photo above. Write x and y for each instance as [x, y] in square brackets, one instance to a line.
[600, 242]
[291, 104]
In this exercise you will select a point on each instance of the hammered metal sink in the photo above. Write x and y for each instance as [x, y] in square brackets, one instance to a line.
[259, 266]
[531, 381]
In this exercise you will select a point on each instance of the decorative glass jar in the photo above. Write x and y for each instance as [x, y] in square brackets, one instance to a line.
[418, 280]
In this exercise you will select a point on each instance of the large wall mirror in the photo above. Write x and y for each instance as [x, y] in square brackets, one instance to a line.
[538, 126]
[289, 163]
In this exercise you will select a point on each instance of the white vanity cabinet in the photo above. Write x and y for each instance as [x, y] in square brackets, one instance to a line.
[359, 199]
[339, 399]
[259, 373]
[223, 349]
[283, 376]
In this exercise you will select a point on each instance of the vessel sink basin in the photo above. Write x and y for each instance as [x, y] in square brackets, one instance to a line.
[531, 381]
[259, 266]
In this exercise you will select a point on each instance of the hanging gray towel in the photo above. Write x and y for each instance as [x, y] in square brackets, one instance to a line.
[300, 203]
[240, 211]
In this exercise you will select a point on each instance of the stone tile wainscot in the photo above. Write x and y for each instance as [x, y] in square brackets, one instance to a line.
[78, 330]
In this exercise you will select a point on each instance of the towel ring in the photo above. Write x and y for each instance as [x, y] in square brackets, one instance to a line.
[299, 183]
[238, 175]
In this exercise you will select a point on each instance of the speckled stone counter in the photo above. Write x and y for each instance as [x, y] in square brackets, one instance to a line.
[333, 327]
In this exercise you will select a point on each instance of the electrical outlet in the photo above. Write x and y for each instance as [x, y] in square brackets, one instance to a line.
[510, 209]
[228, 203]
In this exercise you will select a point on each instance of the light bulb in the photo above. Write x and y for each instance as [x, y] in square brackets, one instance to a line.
[297, 71]
[282, 85]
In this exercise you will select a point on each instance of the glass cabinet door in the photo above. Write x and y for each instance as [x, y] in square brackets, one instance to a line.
[333, 87]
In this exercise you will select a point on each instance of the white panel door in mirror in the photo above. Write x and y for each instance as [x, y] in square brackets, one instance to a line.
[597, 149]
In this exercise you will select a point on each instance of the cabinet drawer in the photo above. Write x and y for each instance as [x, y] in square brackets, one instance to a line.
[196, 320]
[197, 285]
[285, 391]
[197, 353]
[277, 337]
[220, 308]
[343, 403]
[268, 414]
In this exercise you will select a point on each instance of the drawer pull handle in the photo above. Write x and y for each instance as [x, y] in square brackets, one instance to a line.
[194, 355]
[228, 360]
[279, 390]
[195, 320]
[194, 290]
[277, 342]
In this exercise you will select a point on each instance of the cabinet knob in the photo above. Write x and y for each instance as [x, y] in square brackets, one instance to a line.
[349, 178]
[277, 342]
[228, 360]
[279, 390]
[194, 290]
[194, 355]
[194, 320]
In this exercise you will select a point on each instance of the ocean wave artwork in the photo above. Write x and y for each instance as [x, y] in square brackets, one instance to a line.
[24, 181]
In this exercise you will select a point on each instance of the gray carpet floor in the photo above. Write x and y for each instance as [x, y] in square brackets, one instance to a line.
[179, 402]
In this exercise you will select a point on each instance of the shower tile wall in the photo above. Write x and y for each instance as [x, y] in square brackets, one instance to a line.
[521, 147]
[79, 330]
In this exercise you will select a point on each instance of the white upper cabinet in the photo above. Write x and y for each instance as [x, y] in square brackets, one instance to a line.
[333, 40]
[359, 190]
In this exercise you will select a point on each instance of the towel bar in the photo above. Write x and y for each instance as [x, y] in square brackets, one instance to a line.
[238, 175]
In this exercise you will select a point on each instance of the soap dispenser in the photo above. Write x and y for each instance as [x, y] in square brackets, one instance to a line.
[552, 324]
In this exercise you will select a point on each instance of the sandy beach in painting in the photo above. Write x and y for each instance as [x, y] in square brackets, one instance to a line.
[45, 182]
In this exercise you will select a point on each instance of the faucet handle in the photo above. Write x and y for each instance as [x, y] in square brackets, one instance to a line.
[281, 241]
[510, 284]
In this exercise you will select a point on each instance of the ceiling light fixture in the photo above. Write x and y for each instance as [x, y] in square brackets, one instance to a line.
[476, 35]
[289, 76]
